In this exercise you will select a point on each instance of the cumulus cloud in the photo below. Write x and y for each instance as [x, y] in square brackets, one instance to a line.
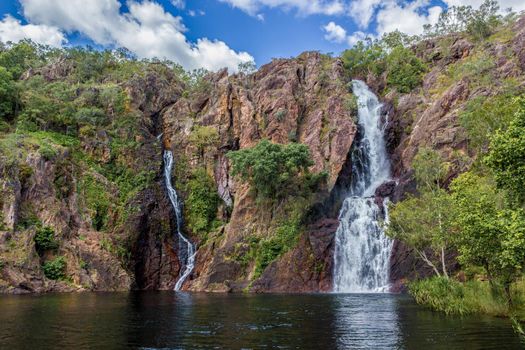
[355, 37]
[180, 4]
[146, 29]
[334, 32]
[13, 30]
[408, 17]
[362, 11]
[304, 7]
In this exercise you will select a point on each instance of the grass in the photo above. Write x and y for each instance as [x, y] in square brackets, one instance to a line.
[471, 297]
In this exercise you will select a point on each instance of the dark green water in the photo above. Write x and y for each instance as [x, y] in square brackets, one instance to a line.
[165, 320]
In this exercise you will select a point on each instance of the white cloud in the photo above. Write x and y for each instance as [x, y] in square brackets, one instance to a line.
[13, 30]
[408, 18]
[355, 37]
[147, 30]
[362, 11]
[304, 7]
[334, 32]
[180, 4]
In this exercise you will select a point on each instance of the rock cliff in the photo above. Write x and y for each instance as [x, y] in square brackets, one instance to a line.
[305, 99]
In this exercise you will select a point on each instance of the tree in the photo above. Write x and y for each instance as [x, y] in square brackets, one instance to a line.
[404, 69]
[363, 58]
[202, 203]
[7, 94]
[203, 137]
[247, 68]
[430, 169]
[506, 155]
[479, 23]
[424, 223]
[274, 170]
[489, 233]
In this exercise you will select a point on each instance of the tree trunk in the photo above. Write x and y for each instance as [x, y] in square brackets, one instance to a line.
[443, 264]
[424, 257]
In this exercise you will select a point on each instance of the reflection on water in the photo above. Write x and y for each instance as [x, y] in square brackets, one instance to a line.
[166, 320]
[367, 321]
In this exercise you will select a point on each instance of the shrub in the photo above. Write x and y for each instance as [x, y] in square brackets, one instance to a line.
[274, 171]
[203, 137]
[97, 201]
[363, 58]
[482, 117]
[47, 152]
[55, 269]
[405, 70]
[45, 239]
[202, 202]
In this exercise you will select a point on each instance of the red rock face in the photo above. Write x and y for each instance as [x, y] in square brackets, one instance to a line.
[303, 100]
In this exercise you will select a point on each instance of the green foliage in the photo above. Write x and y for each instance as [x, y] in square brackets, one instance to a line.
[47, 152]
[55, 269]
[247, 68]
[8, 94]
[490, 234]
[17, 58]
[284, 239]
[388, 54]
[204, 138]
[424, 223]
[364, 57]
[45, 239]
[483, 116]
[97, 200]
[471, 297]
[506, 155]
[202, 202]
[429, 169]
[274, 171]
[479, 23]
[405, 70]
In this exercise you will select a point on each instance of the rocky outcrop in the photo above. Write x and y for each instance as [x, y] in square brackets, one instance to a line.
[305, 100]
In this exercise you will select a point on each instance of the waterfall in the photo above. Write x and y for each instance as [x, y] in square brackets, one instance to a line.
[362, 250]
[186, 256]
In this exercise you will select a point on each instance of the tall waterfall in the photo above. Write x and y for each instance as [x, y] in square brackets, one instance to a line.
[362, 250]
[187, 256]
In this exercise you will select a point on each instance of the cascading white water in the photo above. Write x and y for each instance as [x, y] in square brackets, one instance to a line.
[362, 250]
[187, 256]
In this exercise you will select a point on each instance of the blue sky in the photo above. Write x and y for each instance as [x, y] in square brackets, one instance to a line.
[216, 33]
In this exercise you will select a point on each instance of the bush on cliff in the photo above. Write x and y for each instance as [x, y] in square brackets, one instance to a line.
[202, 202]
[55, 269]
[404, 70]
[45, 239]
[276, 171]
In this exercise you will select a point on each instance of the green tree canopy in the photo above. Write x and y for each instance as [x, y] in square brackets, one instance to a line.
[7, 94]
[489, 233]
[507, 155]
[273, 170]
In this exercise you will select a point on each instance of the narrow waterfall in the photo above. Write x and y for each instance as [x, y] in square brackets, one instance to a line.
[362, 250]
[187, 251]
